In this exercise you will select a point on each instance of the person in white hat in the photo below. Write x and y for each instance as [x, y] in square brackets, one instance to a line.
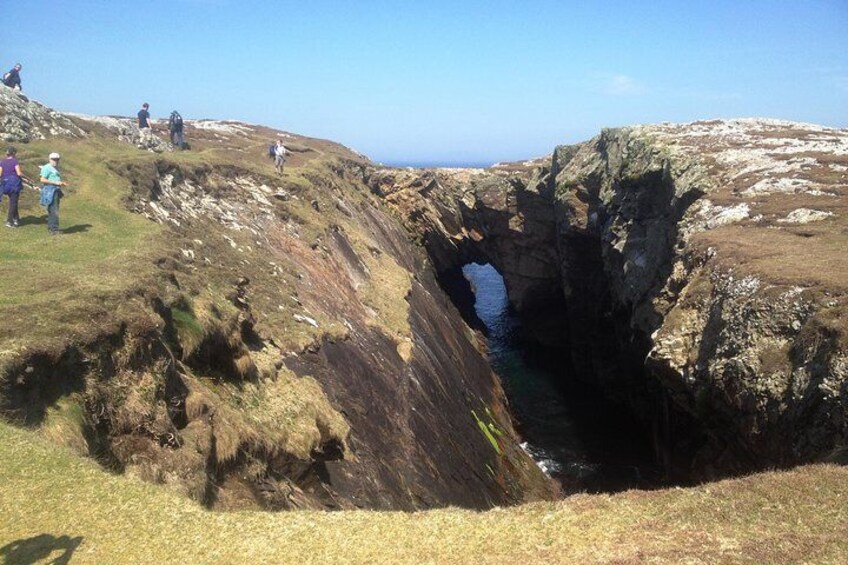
[51, 192]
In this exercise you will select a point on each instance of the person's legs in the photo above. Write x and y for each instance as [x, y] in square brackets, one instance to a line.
[13, 217]
[53, 215]
[180, 138]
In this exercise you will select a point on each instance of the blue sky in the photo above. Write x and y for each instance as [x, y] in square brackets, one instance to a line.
[437, 81]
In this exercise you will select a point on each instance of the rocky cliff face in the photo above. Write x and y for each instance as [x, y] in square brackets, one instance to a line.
[699, 270]
[262, 341]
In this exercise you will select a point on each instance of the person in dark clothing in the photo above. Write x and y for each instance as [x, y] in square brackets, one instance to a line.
[12, 79]
[144, 117]
[175, 126]
[11, 183]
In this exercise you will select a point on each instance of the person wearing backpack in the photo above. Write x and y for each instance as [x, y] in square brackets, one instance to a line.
[175, 126]
[279, 156]
[51, 192]
[12, 79]
[11, 183]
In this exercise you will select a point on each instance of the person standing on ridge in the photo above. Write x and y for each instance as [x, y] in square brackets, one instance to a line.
[51, 192]
[175, 126]
[279, 156]
[144, 120]
[11, 183]
[12, 79]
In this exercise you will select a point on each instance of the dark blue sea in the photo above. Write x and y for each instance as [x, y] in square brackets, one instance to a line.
[569, 430]
[441, 164]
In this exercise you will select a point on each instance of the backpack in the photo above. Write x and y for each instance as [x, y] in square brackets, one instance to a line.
[272, 150]
[175, 121]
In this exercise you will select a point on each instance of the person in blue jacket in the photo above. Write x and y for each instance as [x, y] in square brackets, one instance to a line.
[12, 79]
[11, 183]
[51, 192]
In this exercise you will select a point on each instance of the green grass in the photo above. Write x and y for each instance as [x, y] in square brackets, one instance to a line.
[103, 253]
[48, 492]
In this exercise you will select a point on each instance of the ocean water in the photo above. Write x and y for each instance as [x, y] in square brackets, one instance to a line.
[441, 164]
[567, 429]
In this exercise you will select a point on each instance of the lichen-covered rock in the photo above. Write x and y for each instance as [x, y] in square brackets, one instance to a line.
[23, 120]
[127, 130]
[698, 245]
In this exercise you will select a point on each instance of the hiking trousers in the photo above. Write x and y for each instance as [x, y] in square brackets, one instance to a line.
[53, 215]
[13, 208]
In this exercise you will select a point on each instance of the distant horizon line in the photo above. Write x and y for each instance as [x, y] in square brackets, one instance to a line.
[437, 163]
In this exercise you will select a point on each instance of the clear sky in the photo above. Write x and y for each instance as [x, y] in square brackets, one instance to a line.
[437, 81]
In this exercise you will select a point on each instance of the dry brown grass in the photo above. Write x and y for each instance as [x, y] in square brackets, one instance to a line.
[783, 256]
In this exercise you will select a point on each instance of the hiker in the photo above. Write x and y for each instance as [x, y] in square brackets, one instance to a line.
[11, 183]
[279, 156]
[12, 79]
[51, 192]
[144, 119]
[175, 126]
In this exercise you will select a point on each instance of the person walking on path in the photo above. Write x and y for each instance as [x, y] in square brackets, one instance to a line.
[11, 184]
[175, 126]
[51, 192]
[12, 79]
[279, 156]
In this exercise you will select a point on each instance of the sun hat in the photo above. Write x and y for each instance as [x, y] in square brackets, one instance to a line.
[55, 156]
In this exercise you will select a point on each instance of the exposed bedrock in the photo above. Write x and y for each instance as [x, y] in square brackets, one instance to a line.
[693, 271]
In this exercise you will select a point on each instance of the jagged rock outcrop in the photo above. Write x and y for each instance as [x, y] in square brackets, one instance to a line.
[699, 269]
[127, 131]
[23, 120]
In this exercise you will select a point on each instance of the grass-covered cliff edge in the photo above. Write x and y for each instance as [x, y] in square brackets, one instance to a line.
[248, 341]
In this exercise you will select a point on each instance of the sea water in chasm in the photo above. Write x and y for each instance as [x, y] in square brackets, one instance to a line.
[572, 433]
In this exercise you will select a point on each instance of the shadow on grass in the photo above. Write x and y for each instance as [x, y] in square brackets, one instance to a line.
[32, 220]
[79, 228]
[37, 548]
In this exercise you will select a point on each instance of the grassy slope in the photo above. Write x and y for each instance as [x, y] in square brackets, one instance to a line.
[774, 517]
[49, 283]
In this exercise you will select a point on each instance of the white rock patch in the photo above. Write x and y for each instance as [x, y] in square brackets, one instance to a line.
[710, 216]
[805, 216]
[777, 185]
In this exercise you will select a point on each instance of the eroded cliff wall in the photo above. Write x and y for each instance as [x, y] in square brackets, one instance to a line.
[699, 269]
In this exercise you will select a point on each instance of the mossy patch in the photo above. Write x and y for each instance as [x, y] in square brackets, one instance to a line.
[489, 429]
